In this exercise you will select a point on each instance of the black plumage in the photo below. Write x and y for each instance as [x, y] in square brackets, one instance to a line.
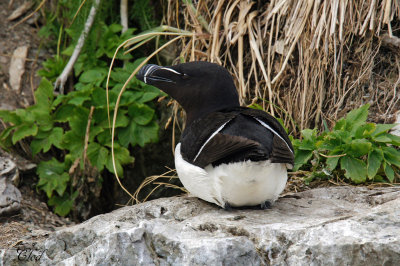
[207, 93]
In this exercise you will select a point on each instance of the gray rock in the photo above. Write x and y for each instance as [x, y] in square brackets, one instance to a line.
[326, 226]
[10, 196]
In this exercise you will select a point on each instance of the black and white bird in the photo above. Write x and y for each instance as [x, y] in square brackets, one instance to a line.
[229, 155]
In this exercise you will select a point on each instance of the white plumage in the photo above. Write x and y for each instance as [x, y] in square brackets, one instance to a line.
[238, 184]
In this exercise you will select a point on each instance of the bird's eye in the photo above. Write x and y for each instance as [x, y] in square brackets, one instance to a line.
[185, 76]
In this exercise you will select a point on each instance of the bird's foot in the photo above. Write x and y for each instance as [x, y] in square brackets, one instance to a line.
[227, 207]
[266, 205]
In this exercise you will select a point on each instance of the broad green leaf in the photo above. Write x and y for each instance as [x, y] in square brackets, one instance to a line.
[52, 177]
[383, 138]
[69, 50]
[6, 132]
[120, 75]
[356, 117]
[78, 121]
[79, 100]
[358, 147]
[10, 117]
[332, 162]
[129, 97]
[391, 156]
[309, 134]
[64, 112]
[100, 116]
[375, 158]
[44, 93]
[93, 75]
[333, 159]
[23, 131]
[121, 157]
[42, 116]
[73, 143]
[138, 134]
[365, 131]
[148, 96]
[25, 116]
[341, 124]
[355, 169]
[382, 128]
[395, 139]
[97, 155]
[301, 158]
[389, 172]
[54, 137]
[142, 114]
[114, 28]
[63, 204]
[99, 97]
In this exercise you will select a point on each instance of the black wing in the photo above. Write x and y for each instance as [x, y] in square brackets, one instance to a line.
[236, 135]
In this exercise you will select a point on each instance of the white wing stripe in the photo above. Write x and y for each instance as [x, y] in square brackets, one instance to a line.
[273, 131]
[212, 135]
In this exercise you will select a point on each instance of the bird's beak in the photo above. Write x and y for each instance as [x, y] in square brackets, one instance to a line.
[151, 73]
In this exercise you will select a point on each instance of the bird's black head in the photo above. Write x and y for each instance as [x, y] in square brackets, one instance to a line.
[199, 87]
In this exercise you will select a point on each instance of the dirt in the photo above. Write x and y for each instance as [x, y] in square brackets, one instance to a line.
[35, 219]
[11, 38]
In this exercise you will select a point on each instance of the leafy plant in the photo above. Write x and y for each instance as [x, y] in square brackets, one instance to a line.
[361, 151]
[58, 126]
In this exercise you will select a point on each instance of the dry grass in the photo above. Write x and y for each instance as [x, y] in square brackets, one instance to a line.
[314, 60]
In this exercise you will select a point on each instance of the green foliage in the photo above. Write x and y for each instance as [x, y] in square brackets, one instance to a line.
[56, 126]
[143, 12]
[361, 151]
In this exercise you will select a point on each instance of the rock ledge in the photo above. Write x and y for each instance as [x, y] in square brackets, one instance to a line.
[329, 226]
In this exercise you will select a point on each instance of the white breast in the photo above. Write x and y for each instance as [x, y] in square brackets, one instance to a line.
[239, 184]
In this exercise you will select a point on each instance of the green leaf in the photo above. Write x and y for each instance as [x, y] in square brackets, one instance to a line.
[25, 116]
[78, 121]
[64, 204]
[356, 170]
[375, 158]
[73, 143]
[356, 117]
[95, 75]
[382, 128]
[97, 155]
[44, 93]
[9, 117]
[148, 96]
[391, 156]
[340, 125]
[115, 28]
[389, 172]
[24, 131]
[121, 157]
[395, 139]
[301, 158]
[138, 134]
[309, 134]
[64, 112]
[365, 131]
[333, 159]
[79, 100]
[54, 137]
[383, 138]
[358, 147]
[141, 113]
[52, 177]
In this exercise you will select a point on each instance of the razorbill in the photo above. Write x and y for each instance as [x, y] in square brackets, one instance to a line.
[229, 155]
